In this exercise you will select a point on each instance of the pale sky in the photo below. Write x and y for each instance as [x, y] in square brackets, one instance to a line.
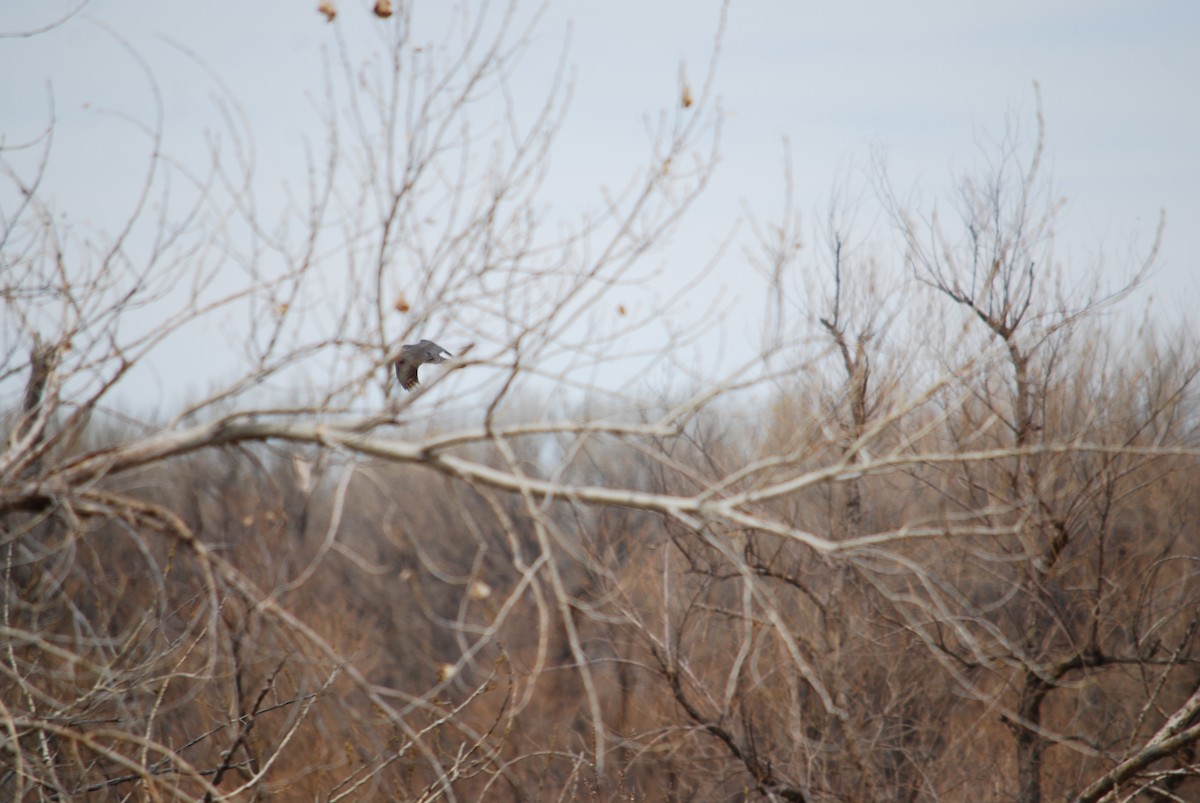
[922, 81]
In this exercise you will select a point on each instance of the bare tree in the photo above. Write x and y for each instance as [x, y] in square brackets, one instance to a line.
[1067, 456]
[876, 549]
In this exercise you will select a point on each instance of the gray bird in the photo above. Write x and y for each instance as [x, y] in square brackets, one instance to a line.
[413, 356]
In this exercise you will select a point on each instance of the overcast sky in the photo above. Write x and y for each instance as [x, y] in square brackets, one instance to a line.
[921, 81]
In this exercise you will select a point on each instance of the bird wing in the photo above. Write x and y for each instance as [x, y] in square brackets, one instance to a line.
[406, 372]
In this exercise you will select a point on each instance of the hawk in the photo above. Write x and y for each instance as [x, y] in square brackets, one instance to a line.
[413, 356]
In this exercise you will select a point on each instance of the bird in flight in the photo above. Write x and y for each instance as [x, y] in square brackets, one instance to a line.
[413, 356]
